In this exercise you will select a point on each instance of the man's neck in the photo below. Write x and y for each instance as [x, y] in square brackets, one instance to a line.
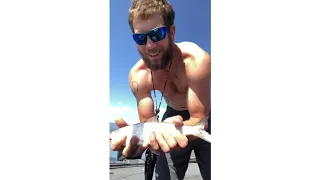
[176, 56]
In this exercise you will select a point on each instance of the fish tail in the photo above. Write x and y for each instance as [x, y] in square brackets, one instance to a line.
[199, 131]
[204, 135]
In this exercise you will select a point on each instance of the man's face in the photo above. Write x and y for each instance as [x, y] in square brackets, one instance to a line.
[156, 55]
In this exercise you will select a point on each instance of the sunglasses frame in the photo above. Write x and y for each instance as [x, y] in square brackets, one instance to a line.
[148, 34]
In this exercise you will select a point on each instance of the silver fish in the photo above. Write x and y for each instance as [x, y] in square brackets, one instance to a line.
[144, 130]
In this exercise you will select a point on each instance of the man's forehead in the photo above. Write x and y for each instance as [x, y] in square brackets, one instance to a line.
[146, 24]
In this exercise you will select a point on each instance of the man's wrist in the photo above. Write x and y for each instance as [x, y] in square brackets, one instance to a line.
[193, 121]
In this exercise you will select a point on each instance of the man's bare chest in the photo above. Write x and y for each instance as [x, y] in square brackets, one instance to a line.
[172, 84]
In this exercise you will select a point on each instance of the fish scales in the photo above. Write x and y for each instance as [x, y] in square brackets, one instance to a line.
[144, 130]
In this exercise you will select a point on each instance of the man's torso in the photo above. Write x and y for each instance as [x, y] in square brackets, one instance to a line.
[176, 90]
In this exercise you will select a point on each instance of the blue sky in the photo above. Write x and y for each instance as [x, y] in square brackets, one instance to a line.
[193, 23]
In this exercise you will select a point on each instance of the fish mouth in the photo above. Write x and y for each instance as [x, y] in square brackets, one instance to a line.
[110, 136]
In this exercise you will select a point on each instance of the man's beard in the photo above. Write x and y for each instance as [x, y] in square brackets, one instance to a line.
[164, 60]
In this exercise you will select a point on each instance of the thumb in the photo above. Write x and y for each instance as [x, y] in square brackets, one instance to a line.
[177, 120]
[120, 122]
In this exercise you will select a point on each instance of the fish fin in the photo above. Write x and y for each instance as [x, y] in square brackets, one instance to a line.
[202, 123]
[200, 132]
[152, 119]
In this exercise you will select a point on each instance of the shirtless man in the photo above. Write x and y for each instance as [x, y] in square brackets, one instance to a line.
[182, 72]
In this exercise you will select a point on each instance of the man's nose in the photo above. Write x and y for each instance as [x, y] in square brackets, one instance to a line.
[150, 44]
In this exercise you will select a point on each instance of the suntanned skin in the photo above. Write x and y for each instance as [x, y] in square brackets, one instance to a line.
[188, 87]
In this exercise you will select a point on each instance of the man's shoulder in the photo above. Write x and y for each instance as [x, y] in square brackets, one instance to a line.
[196, 58]
[138, 72]
[138, 67]
[190, 47]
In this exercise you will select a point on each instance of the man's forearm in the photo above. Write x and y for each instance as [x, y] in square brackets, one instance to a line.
[192, 121]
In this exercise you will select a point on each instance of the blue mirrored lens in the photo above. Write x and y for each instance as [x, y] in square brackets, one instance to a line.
[140, 39]
[155, 35]
[158, 34]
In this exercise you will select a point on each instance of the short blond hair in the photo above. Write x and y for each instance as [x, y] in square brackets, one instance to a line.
[143, 9]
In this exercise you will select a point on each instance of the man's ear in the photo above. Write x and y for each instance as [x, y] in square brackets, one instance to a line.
[173, 32]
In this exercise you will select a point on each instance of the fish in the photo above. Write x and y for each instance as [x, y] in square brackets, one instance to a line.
[143, 130]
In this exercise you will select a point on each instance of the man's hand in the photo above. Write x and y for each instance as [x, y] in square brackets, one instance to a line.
[166, 141]
[119, 143]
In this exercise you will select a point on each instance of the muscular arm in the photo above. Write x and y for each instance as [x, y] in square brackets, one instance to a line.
[145, 111]
[199, 82]
[143, 97]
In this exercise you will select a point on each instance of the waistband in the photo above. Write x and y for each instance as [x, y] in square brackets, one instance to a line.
[170, 109]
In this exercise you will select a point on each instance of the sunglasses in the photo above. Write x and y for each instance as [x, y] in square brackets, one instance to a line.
[155, 35]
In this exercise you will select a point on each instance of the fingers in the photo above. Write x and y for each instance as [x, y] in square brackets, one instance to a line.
[162, 143]
[181, 140]
[167, 142]
[153, 142]
[117, 142]
[120, 122]
[131, 147]
[170, 141]
[177, 120]
[139, 150]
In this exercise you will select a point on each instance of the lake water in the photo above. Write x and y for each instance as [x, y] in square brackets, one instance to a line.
[113, 154]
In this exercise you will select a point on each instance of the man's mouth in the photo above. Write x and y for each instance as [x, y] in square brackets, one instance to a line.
[154, 54]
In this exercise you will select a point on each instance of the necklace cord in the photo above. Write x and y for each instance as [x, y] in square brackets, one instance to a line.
[157, 110]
